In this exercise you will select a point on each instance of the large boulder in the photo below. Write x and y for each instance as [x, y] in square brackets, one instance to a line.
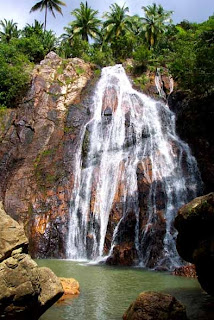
[71, 288]
[12, 235]
[26, 291]
[195, 241]
[155, 306]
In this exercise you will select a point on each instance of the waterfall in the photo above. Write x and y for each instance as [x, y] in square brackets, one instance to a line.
[132, 175]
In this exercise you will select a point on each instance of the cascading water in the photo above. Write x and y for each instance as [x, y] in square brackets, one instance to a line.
[129, 136]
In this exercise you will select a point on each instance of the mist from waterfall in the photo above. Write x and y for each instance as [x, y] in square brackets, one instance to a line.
[127, 131]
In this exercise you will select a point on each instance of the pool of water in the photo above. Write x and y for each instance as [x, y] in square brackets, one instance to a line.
[106, 292]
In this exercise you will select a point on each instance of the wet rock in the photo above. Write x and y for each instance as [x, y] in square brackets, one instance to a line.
[124, 255]
[188, 271]
[194, 124]
[108, 112]
[70, 286]
[195, 241]
[26, 291]
[155, 306]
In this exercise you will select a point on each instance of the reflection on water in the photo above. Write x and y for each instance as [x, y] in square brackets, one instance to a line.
[106, 292]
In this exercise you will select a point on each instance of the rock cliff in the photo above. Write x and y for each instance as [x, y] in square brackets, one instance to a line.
[195, 241]
[38, 146]
[26, 291]
[38, 142]
[194, 124]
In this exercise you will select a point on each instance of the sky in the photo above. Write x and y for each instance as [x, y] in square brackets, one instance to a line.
[18, 10]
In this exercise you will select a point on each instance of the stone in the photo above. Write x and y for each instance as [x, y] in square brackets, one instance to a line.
[155, 306]
[26, 291]
[70, 286]
[12, 235]
[188, 271]
[195, 240]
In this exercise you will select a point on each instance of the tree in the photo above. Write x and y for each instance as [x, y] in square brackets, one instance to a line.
[86, 24]
[34, 29]
[51, 5]
[117, 22]
[155, 22]
[14, 75]
[9, 30]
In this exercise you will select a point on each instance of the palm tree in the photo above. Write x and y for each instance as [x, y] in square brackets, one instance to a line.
[155, 22]
[117, 22]
[9, 30]
[34, 29]
[135, 25]
[51, 5]
[86, 24]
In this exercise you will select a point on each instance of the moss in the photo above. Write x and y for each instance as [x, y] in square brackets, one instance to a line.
[79, 70]
[43, 154]
[97, 72]
[69, 129]
[68, 80]
[60, 70]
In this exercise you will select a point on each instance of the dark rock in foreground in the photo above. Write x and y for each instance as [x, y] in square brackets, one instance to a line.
[195, 241]
[26, 291]
[155, 306]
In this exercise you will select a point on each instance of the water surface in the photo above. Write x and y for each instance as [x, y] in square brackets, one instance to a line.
[106, 292]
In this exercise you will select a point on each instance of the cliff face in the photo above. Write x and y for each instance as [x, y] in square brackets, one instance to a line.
[38, 146]
[194, 124]
[195, 241]
[37, 149]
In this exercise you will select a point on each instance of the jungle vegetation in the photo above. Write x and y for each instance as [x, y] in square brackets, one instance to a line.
[150, 40]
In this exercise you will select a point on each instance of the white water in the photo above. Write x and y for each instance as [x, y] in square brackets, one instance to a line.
[133, 130]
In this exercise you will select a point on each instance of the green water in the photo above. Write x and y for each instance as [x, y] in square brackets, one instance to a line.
[106, 292]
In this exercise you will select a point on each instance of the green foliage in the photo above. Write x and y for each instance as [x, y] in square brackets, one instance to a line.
[86, 24]
[116, 23]
[155, 22]
[8, 30]
[31, 47]
[102, 57]
[191, 58]
[14, 75]
[142, 55]
[141, 81]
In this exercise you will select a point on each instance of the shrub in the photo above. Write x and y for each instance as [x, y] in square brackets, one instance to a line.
[14, 75]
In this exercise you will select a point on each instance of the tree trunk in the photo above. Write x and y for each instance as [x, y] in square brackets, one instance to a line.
[46, 12]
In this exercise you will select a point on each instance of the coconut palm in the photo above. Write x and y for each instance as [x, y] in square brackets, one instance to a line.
[117, 21]
[9, 30]
[155, 21]
[34, 29]
[51, 5]
[68, 35]
[86, 24]
[135, 25]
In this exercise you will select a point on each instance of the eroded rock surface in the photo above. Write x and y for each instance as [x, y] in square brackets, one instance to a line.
[155, 306]
[26, 291]
[195, 241]
[38, 143]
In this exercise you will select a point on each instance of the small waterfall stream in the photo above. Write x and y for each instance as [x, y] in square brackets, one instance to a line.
[127, 134]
